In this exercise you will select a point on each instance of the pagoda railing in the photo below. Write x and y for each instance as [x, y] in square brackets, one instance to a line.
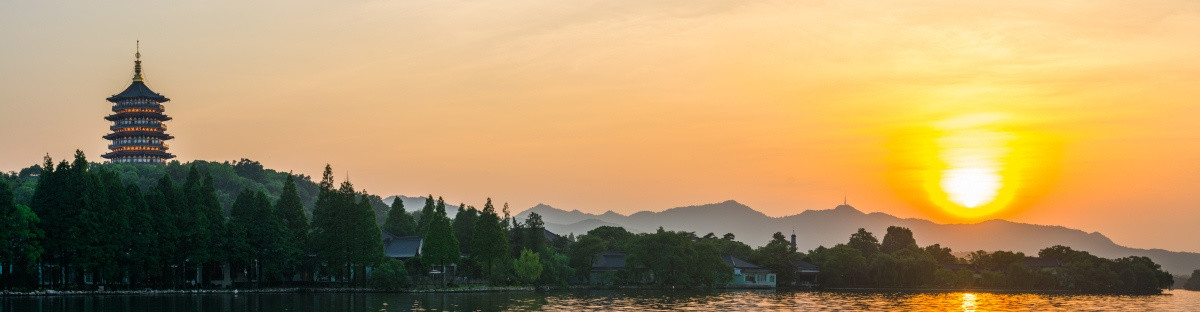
[120, 106]
[114, 146]
[156, 116]
[140, 148]
[137, 122]
[146, 128]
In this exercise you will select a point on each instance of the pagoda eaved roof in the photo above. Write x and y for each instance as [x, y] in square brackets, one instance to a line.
[138, 90]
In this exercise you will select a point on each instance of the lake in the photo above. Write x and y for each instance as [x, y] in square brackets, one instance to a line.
[625, 300]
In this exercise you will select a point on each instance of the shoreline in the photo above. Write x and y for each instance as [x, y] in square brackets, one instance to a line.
[238, 291]
[486, 289]
[985, 290]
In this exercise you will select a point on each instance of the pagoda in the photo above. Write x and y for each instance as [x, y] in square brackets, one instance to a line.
[138, 133]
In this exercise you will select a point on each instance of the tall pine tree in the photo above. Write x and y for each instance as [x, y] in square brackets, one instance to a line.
[208, 206]
[398, 221]
[259, 236]
[440, 247]
[345, 235]
[291, 212]
[490, 243]
[108, 228]
[464, 226]
[426, 216]
[54, 201]
[535, 232]
[237, 238]
[193, 224]
[364, 240]
[144, 264]
[164, 203]
[328, 227]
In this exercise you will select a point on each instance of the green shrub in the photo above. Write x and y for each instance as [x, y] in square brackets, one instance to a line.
[390, 275]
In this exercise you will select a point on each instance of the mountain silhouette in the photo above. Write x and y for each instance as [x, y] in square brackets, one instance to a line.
[833, 226]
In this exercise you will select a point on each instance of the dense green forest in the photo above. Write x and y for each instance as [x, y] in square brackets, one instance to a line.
[75, 224]
[82, 225]
[229, 178]
[88, 224]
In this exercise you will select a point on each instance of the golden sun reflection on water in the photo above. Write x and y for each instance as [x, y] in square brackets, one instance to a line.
[968, 302]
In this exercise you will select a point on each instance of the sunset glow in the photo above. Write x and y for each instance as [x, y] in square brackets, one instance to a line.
[1068, 113]
[971, 166]
[973, 157]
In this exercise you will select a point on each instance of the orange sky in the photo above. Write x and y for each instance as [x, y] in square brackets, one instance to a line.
[645, 105]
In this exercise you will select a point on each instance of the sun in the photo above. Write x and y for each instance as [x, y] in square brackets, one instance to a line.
[971, 187]
[969, 174]
[972, 165]
[972, 157]
[969, 167]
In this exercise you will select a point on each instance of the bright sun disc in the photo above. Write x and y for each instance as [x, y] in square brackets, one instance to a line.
[971, 187]
[972, 156]
[972, 166]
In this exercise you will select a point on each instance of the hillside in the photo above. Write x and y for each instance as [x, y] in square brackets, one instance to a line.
[229, 177]
[814, 227]
[832, 226]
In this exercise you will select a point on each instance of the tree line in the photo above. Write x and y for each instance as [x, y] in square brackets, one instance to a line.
[684, 259]
[1193, 282]
[84, 225]
[498, 248]
[76, 224]
[898, 262]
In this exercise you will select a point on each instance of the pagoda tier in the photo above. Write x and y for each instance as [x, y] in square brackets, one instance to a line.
[138, 125]
[138, 143]
[137, 115]
[130, 134]
[139, 134]
[138, 156]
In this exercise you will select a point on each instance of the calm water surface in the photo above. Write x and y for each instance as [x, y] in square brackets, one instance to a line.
[1177, 300]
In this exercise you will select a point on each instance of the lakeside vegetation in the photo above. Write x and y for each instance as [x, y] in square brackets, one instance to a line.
[1193, 282]
[81, 225]
[898, 262]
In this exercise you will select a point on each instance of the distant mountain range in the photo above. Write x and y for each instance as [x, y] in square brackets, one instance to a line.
[832, 226]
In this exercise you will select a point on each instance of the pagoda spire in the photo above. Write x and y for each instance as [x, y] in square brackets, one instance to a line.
[137, 63]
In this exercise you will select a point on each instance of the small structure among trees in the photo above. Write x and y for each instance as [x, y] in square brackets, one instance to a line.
[749, 275]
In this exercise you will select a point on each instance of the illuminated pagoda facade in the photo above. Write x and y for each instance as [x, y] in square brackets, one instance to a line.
[138, 133]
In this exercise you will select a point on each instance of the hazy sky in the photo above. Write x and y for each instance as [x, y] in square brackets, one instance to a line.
[1086, 109]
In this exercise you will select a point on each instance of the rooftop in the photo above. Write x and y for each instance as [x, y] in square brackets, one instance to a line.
[738, 263]
[138, 90]
[402, 247]
[610, 260]
[803, 266]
